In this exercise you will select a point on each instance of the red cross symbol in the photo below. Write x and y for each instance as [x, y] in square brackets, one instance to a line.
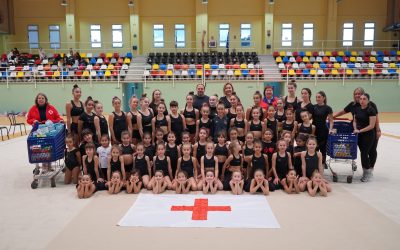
[200, 209]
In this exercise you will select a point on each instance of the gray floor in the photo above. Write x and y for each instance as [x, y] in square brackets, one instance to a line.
[31, 219]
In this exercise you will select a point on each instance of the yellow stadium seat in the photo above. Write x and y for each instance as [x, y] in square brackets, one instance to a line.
[372, 59]
[109, 55]
[313, 72]
[278, 59]
[328, 53]
[371, 72]
[85, 73]
[127, 60]
[349, 72]
[336, 65]
[352, 59]
[243, 66]
[306, 59]
[83, 55]
[340, 53]
[56, 74]
[282, 53]
[292, 72]
[354, 53]
[207, 66]
[392, 65]
[107, 73]
[316, 65]
[156, 67]
[110, 67]
[398, 52]
[199, 72]
[335, 72]
[308, 53]
[169, 73]
[20, 74]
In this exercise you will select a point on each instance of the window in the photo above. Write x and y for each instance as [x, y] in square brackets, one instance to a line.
[245, 34]
[348, 34]
[286, 34]
[158, 36]
[33, 36]
[54, 36]
[179, 35]
[95, 36]
[308, 34]
[223, 34]
[117, 35]
[369, 30]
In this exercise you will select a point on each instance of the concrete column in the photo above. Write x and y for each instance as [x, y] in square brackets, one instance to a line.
[268, 28]
[134, 28]
[71, 27]
[331, 25]
[201, 26]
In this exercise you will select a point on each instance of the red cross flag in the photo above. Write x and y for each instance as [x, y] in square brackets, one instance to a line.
[228, 211]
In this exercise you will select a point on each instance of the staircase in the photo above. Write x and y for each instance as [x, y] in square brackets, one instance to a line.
[270, 68]
[136, 69]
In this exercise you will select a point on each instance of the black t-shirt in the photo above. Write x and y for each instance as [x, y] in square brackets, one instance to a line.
[351, 107]
[320, 114]
[42, 112]
[226, 102]
[199, 100]
[362, 116]
[309, 107]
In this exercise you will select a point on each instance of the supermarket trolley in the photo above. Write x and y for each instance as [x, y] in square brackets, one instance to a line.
[342, 148]
[47, 153]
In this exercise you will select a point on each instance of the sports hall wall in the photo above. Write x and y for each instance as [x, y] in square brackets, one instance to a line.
[75, 19]
[20, 96]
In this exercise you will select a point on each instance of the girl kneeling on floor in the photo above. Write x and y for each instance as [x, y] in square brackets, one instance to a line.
[134, 183]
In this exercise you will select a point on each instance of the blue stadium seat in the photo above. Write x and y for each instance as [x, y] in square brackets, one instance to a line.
[129, 55]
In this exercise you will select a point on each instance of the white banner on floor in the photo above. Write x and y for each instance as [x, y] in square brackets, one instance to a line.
[227, 211]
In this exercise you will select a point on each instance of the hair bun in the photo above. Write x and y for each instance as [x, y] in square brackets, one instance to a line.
[76, 86]
[144, 95]
[89, 98]
[191, 93]
[257, 92]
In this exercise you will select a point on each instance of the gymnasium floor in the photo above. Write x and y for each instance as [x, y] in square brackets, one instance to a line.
[353, 216]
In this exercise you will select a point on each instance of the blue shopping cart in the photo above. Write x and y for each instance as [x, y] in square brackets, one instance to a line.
[342, 147]
[47, 153]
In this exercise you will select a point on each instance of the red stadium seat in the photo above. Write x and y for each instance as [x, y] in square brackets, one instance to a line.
[275, 54]
[102, 55]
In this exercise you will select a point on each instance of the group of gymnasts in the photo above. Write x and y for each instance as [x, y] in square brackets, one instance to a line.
[210, 144]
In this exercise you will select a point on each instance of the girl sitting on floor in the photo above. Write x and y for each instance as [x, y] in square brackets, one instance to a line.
[158, 184]
[210, 184]
[116, 183]
[85, 187]
[134, 184]
[291, 182]
[259, 183]
[181, 184]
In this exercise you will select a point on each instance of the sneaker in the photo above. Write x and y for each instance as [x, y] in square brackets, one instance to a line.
[367, 176]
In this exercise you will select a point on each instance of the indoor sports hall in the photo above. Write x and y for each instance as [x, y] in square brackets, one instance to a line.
[111, 59]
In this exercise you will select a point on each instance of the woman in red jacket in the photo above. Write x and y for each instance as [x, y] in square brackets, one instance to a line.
[269, 98]
[42, 111]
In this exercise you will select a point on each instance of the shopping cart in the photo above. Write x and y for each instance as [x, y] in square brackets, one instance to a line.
[47, 153]
[342, 148]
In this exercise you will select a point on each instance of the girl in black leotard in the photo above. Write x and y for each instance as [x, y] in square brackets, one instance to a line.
[304, 105]
[208, 162]
[116, 183]
[116, 162]
[272, 123]
[233, 164]
[141, 162]
[85, 187]
[86, 119]
[188, 164]
[290, 183]
[72, 161]
[279, 115]
[281, 163]
[231, 111]
[289, 124]
[257, 98]
[172, 151]
[149, 148]
[291, 101]
[317, 185]
[117, 121]
[163, 163]
[161, 121]
[100, 122]
[240, 123]
[258, 183]
[74, 109]
[128, 149]
[147, 116]
[199, 148]
[134, 119]
[178, 124]
[256, 125]
[221, 152]
[204, 121]
[90, 163]
[191, 116]
[306, 126]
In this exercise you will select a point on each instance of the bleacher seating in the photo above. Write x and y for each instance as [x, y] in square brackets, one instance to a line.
[333, 64]
[213, 65]
[107, 66]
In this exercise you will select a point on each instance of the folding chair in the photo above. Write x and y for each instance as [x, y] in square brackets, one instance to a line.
[13, 123]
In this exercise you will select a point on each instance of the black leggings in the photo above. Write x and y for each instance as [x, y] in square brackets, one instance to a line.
[366, 141]
[322, 138]
[373, 154]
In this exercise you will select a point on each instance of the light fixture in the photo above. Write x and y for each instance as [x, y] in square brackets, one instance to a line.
[64, 3]
[204, 1]
[271, 2]
[131, 4]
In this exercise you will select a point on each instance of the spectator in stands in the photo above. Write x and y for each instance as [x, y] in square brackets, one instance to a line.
[70, 53]
[15, 52]
[42, 111]
[200, 97]
[269, 98]
[77, 56]
[42, 55]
